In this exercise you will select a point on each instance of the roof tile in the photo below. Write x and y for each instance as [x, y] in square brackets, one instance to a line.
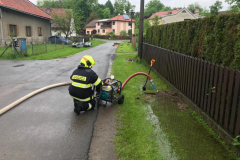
[24, 6]
[121, 18]
[160, 14]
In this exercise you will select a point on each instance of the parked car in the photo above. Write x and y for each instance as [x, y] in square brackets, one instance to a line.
[58, 40]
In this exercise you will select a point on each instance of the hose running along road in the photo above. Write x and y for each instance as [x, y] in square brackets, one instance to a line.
[12, 105]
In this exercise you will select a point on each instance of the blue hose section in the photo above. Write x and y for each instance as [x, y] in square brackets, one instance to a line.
[154, 87]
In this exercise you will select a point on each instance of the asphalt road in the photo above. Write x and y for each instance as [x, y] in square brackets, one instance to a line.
[45, 127]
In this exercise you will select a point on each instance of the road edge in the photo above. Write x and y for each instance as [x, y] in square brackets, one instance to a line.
[102, 146]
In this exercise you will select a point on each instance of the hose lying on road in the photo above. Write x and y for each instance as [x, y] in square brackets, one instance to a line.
[10, 106]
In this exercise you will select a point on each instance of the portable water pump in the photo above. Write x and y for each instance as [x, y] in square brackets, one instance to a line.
[111, 91]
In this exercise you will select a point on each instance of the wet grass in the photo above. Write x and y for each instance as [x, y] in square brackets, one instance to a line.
[135, 136]
[126, 48]
[182, 134]
[189, 135]
[41, 54]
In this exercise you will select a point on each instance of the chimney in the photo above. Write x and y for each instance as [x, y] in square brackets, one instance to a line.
[48, 9]
[197, 11]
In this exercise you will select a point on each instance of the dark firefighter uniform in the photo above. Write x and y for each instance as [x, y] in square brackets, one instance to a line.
[83, 78]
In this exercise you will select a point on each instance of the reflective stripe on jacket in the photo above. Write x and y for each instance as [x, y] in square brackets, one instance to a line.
[82, 81]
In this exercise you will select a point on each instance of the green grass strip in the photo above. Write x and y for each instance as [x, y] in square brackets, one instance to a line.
[177, 133]
[51, 54]
[135, 136]
[127, 47]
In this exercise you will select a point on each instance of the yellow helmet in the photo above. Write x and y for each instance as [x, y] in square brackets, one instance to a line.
[88, 61]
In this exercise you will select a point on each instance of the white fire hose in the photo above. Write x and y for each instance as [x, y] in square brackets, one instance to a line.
[10, 106]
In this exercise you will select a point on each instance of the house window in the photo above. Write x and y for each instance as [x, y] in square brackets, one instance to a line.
[113, 23]
[113, 30]
[183, 11]
[13, 29]
[28, 31]
[87, 31]
[129, 24]
[98, 23]
[98, 30]
[103, 31]
[40, 31]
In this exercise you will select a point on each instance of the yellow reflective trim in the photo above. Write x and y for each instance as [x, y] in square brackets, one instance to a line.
[90, 106]
[81, 78]
[97, 82]
[80, 85]
[82, 100]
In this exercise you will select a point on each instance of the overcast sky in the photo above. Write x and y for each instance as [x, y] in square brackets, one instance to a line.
[171, 3]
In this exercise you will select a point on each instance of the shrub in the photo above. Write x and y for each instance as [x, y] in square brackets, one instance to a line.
[129, 32]
[123, 33]
[216, 38]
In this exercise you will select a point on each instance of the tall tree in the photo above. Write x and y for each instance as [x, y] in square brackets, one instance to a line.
[106, 13]
[214, 9]
[155, 20]
[118, 8]
[234, 5]
[93, 16]
[205, 12]
[194, 6]
[152, 7]
[64, 22]
[166, 8]
[128, 7]
[82, 10]
[109, 5]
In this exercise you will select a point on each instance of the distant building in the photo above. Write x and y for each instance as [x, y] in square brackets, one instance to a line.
[55, 30]
[175, 16]
[115, 24]
[22, 19]
[222, 12]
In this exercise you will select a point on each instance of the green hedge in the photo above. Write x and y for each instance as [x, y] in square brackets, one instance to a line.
[216, 38]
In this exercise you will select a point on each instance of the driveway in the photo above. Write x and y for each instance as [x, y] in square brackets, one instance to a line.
[45, 127]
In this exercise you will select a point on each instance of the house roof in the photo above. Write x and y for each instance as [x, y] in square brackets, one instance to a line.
[24, 6]
[221, 12]
[55, 10]
[175, 12]
[91, 24]
[102, 20]
[121, 18]
[195, 16]
[160, 14]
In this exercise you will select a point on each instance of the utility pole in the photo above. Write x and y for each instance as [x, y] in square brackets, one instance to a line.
[140, 43]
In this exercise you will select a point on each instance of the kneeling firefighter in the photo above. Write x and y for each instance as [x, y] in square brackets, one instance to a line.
[83, 78]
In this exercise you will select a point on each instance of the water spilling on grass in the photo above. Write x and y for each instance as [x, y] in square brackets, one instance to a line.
[164, 146]
[179, 131]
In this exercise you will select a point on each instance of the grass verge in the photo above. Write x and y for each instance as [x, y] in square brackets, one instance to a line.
[176, 132]
[135, 136]
[126, 48]
[52, 54]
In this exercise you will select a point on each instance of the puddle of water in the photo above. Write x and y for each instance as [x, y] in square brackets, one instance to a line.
[164, 146]
[20, 65]
[181, 134]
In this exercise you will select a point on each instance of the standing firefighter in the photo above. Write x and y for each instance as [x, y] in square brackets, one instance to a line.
[83, 78]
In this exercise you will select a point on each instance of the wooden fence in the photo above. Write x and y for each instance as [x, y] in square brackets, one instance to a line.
[213, 88]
